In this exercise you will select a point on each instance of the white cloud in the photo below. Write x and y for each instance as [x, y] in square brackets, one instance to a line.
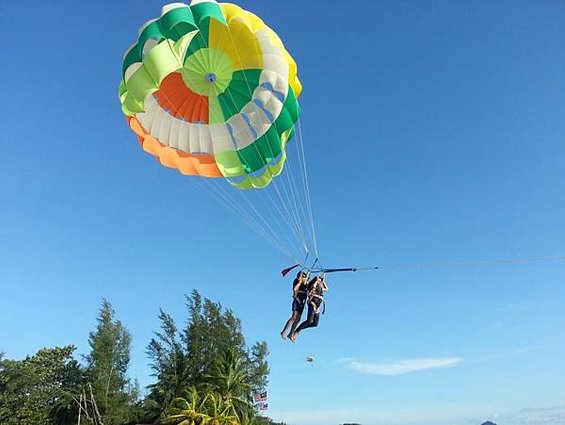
[541, 416]
[401, 367]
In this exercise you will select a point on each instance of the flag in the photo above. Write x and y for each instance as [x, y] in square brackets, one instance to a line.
[260, 397]
[287, 270]
[263, 406]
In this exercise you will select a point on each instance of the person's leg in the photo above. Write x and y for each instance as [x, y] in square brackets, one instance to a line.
[286, 325]
[306, 324]
[315, 320]
[295, 323]
[289, 322]
[292, 322]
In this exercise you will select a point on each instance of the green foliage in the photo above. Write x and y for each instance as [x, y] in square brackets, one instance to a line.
[169, 364]
[201, 408]
[230, 378]
[229, 375]
[40, 389]
[258, 367]
[107, 365]
[209, 354]
[206, 375]
[262, 420]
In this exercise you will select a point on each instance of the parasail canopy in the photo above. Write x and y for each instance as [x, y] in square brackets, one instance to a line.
[210, 90]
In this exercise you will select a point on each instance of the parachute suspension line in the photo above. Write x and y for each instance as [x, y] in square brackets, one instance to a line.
[263, 230]
[292, 217]
[306, 205]
[304, 201]
[255, 221]
[224, 198]
[245, 197]
[313, 269]
[300, 198]
[292, 203]
[307, 197]
[302, 206]
[295, 201]
[305, 261]
[299, 201]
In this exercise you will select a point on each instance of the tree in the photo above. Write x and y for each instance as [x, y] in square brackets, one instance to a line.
[264, 420]
[209, 354]
[170, 367]
[40, 389]
[230, 377]
[107, 366]
[198, 407]
[210, 333]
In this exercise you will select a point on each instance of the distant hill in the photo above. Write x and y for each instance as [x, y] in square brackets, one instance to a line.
[488, 423]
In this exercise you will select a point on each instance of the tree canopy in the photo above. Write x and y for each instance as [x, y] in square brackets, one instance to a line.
[107, 366]
[204, 371]
[39, 389]
[208, 353]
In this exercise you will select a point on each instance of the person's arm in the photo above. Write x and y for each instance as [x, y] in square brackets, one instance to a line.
[325, 286]
[311, 299]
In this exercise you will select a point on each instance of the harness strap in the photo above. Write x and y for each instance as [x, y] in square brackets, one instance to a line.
[323, 301]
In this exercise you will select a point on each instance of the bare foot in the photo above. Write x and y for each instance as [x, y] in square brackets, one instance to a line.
[293, 337]
[283, 336]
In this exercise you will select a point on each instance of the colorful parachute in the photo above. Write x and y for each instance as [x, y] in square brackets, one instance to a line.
[210, 90]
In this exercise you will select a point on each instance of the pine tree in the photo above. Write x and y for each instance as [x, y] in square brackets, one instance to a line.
[107, 366]
[169, 364]
[209, 354]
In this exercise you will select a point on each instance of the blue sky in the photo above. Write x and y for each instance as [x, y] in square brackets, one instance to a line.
[434, 133]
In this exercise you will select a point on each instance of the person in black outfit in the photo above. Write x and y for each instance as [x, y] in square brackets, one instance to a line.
[299, 295]
[316, 289]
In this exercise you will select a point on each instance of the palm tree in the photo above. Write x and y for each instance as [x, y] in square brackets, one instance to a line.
[194, 408]
[231, 379]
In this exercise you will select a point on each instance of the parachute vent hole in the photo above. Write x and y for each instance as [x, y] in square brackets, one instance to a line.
[211, 77]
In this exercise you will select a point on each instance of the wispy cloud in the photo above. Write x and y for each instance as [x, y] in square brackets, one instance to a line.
[551, 409]
[526, 350]
[542, 416]
[401, 367]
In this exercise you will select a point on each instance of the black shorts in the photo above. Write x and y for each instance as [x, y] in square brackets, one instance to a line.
[298, 304]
